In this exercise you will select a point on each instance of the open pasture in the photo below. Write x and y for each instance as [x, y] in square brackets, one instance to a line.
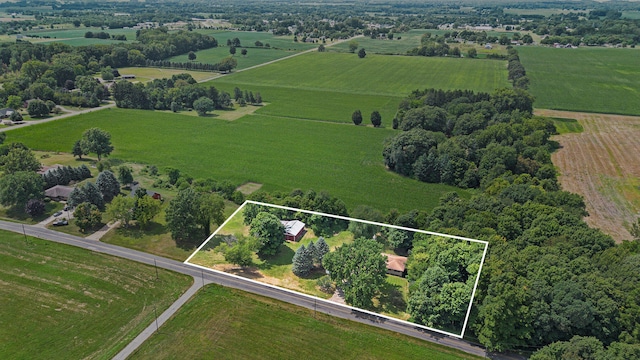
[248, 39]
[223, 323]
[601, 80]
[408, 40]
[79, 33]
[255, 56]
[144, 74]
[316, 88]
[62, 302]
[375, 74]
[282, 154]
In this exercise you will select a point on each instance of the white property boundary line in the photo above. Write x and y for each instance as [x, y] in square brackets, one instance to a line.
[473, 292]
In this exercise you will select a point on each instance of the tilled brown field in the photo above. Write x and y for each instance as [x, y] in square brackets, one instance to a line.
[603, 165]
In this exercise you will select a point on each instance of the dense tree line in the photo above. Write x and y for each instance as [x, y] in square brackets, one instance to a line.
[548, 277]
[320, 202]
[517, 73]
[64, 175]
[178, 92]
[434, 46]
[224, 65]
[467, 140]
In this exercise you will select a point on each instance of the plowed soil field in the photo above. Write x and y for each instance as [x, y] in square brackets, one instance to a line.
[602, 164]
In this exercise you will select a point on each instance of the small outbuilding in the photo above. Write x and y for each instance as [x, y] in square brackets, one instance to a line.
[6, 112]
[293, 230]
[396, 265]
[151, 193]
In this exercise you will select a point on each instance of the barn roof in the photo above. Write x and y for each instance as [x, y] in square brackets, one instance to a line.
[292, 227]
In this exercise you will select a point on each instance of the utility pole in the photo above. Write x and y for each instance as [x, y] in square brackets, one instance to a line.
[156, 265]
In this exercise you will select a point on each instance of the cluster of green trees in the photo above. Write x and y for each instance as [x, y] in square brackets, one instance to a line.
[190, 214]
[20, 184]
[104, 35]
[442, 272]
[246, 97]
[178, 92]
[434, 46]
[310, 200]
[142, 208]
[467, 140]
[308, 258]
[376, 118]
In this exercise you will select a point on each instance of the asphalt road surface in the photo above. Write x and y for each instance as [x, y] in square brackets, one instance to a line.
[233, 282]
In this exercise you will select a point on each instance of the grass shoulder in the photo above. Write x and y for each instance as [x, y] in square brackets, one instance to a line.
[236, 322]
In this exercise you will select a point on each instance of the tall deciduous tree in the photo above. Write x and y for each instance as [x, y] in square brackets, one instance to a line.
[97, 141]
[182, 217]
[211, 210]
[79, 150]
[359, 269]
[269, 232]
[192, 56]
[356, 117]
[37, 108]
[108, 185]
[362, 53]
[87, 216]
[240, 252]
[203, 105]
[19, 159]
[353, 46]
[17, 188]
[146, 208]
[124, 175]
[121, 209]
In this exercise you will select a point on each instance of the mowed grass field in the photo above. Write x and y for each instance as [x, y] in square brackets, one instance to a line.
[283, 154]
[222, 323]
[601, 80]
[330, 86]
[62, 302]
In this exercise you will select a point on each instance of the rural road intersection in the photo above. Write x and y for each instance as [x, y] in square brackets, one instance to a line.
[204, 277]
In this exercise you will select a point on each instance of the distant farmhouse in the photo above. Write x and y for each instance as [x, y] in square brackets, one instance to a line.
[293, 230]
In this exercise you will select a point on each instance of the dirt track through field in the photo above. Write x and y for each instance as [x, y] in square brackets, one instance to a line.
[603, 165]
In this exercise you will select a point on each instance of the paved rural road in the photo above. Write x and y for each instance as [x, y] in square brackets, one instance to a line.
[225, 280]
[53, 118]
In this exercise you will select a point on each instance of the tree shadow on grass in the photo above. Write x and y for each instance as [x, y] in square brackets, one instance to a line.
[284, 256]
[391, 299]
[135, 232]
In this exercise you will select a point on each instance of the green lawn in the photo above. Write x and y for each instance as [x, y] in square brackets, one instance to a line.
[282, 154]
[223, 323]
[599, 80]
[156, 238]
[62, 302]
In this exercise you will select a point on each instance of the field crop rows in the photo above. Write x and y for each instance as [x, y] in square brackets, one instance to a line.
[601, 80]
[64, 302]
[601, 164]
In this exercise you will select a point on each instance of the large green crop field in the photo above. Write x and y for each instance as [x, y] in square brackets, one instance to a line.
[254, 56]
[62, 302]
[283, 154]
[221, 323]
[330, 86]
[248, 38]
[599, 80]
